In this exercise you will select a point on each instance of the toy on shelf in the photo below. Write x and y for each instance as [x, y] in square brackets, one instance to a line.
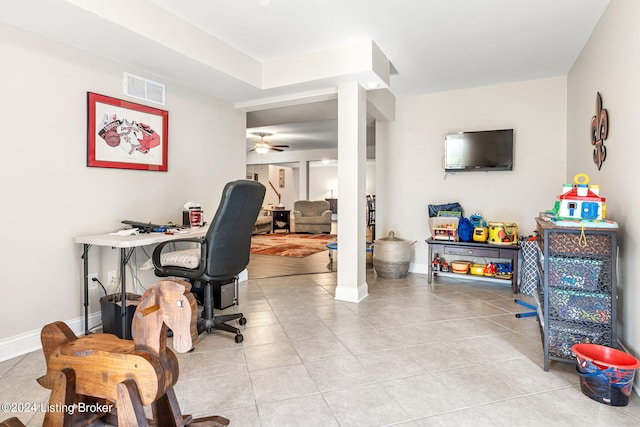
[490, 269]
[480, 234]
[460, 266]
[580, 204]
[504, 271]
[476, 220]
[503, 234]
[480, 231]
[435, 264]
[445, 232]
[444, 228]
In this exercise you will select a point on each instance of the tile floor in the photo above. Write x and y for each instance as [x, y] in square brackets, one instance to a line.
[410, 354]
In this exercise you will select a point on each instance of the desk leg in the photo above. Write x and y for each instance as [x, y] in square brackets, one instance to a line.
[125, 254]
[85, 262]
[123, 305]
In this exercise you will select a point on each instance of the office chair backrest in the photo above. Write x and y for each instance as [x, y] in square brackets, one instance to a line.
[229, 235]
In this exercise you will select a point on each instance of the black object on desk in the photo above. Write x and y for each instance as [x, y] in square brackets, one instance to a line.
[145, 227]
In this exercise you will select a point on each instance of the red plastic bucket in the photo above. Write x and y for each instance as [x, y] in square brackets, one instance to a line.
[606, 374]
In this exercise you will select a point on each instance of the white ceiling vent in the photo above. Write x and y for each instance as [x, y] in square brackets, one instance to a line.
[142, 88]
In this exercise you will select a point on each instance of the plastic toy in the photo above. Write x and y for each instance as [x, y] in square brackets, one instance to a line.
[490, 270]
[476, 220]
[504, 271]
[480, 231]
[480, 234]
[580, 204]
[581, 200]
[503, 234]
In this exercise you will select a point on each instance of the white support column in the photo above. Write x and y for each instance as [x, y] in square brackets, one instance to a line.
[352, 163]
[303, 180]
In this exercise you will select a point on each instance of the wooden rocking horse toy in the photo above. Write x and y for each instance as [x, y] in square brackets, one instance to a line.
[116, 378]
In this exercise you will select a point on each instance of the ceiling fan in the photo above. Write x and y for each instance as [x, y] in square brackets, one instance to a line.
[263, 147]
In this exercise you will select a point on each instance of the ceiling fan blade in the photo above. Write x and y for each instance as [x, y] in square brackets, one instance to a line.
[280, 146]
[276, 149]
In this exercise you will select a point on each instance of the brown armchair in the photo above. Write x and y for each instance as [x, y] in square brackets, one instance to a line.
[312, 216]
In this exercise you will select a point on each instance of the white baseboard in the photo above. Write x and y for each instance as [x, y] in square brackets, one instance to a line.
[636, 379]
[419, 268]
[27, 342]
[349, 294]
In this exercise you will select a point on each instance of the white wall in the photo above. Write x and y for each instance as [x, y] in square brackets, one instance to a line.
[409, 155]
[323, 179]
[271, 173]
[48, 194]
[610, 64]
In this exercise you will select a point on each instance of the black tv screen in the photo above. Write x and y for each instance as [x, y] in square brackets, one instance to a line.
[479, 151]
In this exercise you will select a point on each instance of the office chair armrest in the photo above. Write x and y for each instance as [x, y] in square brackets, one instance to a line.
[175, 270]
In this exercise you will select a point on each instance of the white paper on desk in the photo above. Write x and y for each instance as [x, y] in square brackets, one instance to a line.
[125, 232]
[180, 231]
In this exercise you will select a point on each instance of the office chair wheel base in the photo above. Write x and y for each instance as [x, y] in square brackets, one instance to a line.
[242, 321]
[239, 338]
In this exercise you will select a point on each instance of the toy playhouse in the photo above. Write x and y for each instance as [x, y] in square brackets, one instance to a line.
[580, 201]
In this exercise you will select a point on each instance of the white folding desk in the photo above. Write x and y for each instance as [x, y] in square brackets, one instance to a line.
[126, 244]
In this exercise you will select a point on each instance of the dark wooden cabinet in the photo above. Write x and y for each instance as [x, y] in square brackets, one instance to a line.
[281, 220]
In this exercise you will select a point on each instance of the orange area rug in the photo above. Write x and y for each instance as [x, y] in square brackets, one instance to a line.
[290, 244]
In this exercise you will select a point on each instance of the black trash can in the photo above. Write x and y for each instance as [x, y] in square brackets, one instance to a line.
[111, 314]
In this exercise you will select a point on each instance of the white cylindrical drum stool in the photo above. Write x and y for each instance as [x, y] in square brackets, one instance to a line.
[391, 257]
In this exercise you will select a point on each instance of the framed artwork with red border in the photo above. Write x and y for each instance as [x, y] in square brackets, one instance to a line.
[126, 135]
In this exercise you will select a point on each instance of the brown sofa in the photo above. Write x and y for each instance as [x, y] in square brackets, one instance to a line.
[264, 222]
[312, 216]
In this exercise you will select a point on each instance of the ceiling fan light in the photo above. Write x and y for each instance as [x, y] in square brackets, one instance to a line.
[262, 148]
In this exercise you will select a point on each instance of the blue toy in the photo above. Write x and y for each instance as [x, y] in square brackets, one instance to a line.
[476, 220]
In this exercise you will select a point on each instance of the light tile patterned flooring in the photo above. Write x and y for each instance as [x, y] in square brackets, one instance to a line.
[410, 354]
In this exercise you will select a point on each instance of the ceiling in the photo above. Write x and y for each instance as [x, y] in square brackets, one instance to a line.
[223, 47]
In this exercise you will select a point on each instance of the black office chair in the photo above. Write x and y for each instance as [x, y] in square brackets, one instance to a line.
[224, 251]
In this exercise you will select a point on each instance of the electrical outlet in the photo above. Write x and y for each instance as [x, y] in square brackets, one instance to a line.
[92, 284]
[112, 279]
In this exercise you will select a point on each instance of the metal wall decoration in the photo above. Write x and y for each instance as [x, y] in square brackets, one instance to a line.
[599, 132]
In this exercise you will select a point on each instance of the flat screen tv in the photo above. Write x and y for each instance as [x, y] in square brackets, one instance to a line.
[479, 151]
